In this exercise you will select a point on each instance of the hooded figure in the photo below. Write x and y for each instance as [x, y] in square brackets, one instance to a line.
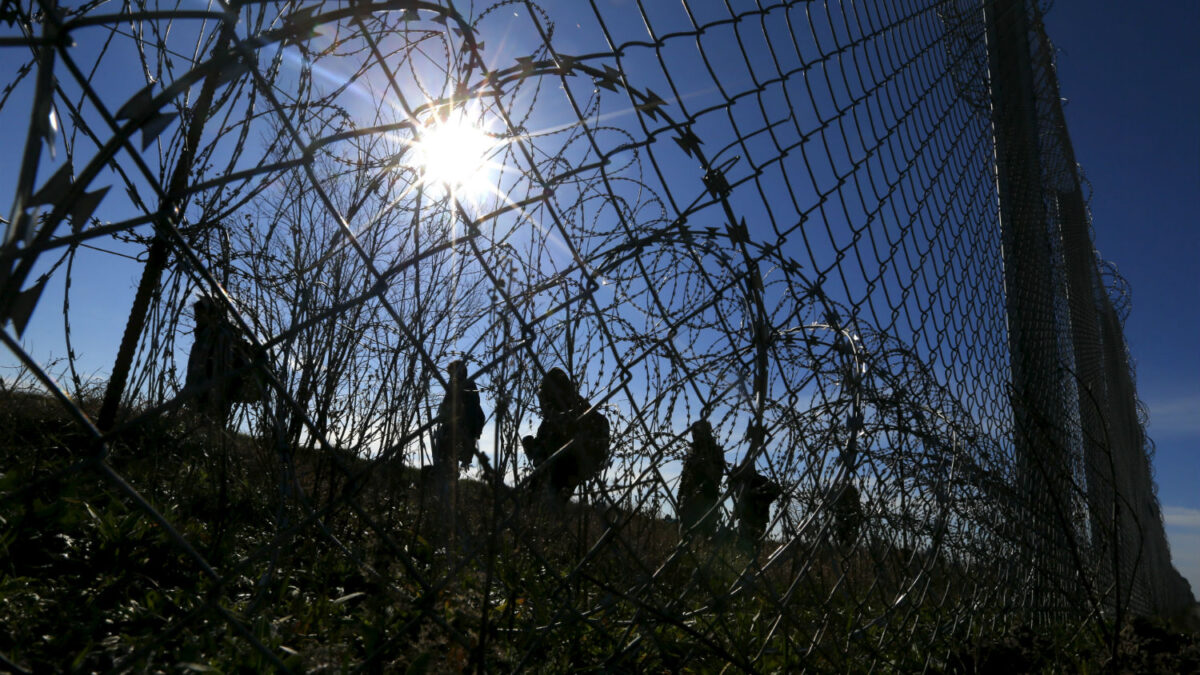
[460, 419]
[460, 422]
[700, 481]
[571, 445]
[221, 364]
[753, 495]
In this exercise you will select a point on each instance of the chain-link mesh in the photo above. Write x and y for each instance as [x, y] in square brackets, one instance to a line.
[791, 346]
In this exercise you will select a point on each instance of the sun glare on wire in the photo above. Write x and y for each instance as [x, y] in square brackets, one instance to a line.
[452, 155]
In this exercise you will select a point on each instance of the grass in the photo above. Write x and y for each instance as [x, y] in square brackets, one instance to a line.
[360, 574]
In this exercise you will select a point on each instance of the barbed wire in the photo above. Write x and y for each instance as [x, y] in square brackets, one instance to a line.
[769, 234]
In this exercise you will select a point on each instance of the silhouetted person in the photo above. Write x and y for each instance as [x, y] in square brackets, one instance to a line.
[753, 495]
[220, 365]
[571, 445]
[847, 515]
[460, 423]
[700, 481]
[460, 419]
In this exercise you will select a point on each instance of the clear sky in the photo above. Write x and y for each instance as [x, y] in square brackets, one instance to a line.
[1131, 74]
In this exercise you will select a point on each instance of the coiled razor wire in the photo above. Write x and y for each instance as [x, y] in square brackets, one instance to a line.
[779, 217]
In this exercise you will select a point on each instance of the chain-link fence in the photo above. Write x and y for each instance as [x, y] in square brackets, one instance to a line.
[618, 335]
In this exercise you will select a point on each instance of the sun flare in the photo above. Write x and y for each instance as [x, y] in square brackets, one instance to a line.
[452, 154]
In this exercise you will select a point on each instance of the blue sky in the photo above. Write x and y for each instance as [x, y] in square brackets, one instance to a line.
[1131, 74]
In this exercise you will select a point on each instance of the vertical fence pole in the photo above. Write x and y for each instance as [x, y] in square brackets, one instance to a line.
[1033, 335]
[1085, 295]
[171, 210]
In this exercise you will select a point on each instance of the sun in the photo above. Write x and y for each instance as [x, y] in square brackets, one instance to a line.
[452, 154]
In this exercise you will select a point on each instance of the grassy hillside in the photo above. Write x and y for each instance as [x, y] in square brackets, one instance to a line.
[329, 563]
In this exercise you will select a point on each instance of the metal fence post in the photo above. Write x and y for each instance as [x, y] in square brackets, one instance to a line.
[1033, 334]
